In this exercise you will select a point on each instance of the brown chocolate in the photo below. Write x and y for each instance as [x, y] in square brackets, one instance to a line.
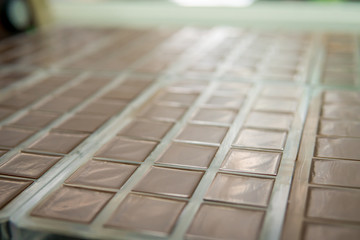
[104, 107]
[218, 222]
[334, 204]
[269, 120]
[163, 112]
[240, 190]
[226, 102]
[275, 105]
[202, 133]
[215, 115]
[339, 128]
[102, 174]
[58, 142]
[146, 129]
[180, 98]
[143, 213]
[60, 104]
[261, 139]
[330, 232]
[188, 155]
[285, 92]
[35, 119]
[347, 112]
[252, 161]
[126, 149]
[342, 97]
[72, 204]
[11, 137]
[339, 147]
[4, 112]
[167, 181]
[10, 188]
[28, 165]
[83, 123]
[336, 172]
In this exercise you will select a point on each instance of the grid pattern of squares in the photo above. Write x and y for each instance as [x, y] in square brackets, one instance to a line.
[30, 160]
[332, 192]
[47, 118]
[207, 146]
[341, 60]
[273, 56]
[170, 181]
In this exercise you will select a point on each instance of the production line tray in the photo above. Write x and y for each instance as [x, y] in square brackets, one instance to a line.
[191, 133]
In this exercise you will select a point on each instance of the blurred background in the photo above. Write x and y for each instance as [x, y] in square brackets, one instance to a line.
[320, 15]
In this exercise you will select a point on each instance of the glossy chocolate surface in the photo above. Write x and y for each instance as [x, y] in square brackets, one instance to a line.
[126, 149]
[102, 174]
[218, 222]
[188, 155]
[72, 204]
[143, 213]
[167, 181]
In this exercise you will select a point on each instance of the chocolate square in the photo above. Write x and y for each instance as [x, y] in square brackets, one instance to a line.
[126, 149]
[11, 137]
[251, 161]
[203, 133]
[168, 181]
[58, 142]
[28, 165]
[188, 155]
[143, 213]
[102, 174]
[240, 190]
[261, 139]
[10, 188]
[72, 204]
[218, 222]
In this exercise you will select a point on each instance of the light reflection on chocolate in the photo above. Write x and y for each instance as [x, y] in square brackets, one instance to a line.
[72, 204]
[167, 181]
[338, 147]
[146, 129]
[336, 172]
[334, 204]
[251, 161]
[261, 139]
[348, 112]
[10, 188]
[218, 222]
[339, 128]
[142, 213]
[102, 174]
[163, 112]
[226, 102]
[240, 190]
[202, 133]
[126, 149]
[188, 155]
[28, 165]
[11, 137]
[269, 120]
[215, 115]
[58, 142]
[180, 98]
[275, 105]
